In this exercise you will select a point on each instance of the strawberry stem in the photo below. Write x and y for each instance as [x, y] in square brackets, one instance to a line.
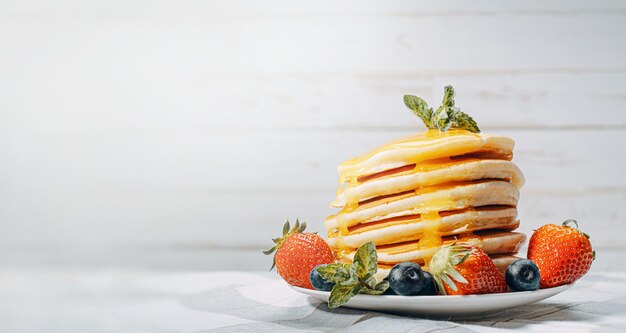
[570, 221]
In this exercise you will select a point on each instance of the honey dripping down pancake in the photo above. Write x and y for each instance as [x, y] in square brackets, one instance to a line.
[415, 194]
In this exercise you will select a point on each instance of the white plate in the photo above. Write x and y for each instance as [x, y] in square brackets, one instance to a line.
[442, 306]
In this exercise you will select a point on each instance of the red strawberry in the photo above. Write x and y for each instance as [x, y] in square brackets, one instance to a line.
[462, 269]
[297, 253]
[562, 253]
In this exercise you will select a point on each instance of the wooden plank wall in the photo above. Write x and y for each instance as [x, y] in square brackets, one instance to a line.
[194, 129]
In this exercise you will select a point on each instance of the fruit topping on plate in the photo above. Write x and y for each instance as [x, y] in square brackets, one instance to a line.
[297, 253]
[522, 275]
[431, 285]
[562, 252]
[318, 282]
[408, 279]
[462, 269]
[352, 279]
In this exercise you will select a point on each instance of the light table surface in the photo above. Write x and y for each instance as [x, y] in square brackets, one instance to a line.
[145, 301]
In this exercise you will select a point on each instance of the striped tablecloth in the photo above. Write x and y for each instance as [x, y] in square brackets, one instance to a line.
[125, 301]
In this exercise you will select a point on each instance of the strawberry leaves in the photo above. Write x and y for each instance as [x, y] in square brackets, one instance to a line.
[445, 117]
[355, 278]
[443, 262]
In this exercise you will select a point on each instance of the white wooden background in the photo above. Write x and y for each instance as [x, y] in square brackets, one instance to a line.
[182, 134]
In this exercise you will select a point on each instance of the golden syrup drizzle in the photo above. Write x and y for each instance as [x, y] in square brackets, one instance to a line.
[352, 168]
[431, 236]
[441, 163]
[429, 160]
[350, 206]
[339, 247]
[340, 191]
[342, 249]
[352, 202]
[342, 229]
[432, 164]
[342, 223]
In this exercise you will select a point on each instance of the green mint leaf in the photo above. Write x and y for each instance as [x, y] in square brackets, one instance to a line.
[421, 109]
[445, 117]
[370, 282]
[442, 119]
[341, 294]
[369, 291]
[448, 97]
[382, 285]
[354, 276]
[335, 273]
[378, 289]
[365, 261]
[464, 121]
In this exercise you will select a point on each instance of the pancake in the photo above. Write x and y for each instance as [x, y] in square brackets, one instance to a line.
[423, 147]
[412, 196]
[406, 179]
[437, 198]
[492, 242]
[404, 229]
[503, 261]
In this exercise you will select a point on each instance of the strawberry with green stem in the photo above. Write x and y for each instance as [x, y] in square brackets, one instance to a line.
[297, 253]
[463, 269]
[562, 253]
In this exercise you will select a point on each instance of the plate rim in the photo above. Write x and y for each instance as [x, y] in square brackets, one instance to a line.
[558, 289]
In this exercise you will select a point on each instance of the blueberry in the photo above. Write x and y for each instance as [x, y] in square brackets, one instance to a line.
[318, 282]
[522, 275]
[407, 278]
[431, 287]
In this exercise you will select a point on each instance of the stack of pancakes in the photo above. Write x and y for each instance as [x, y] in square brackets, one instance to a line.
[414, 195]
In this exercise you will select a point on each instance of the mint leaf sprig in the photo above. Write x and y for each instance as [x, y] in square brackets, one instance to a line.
[355, 278]
[445, 117]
